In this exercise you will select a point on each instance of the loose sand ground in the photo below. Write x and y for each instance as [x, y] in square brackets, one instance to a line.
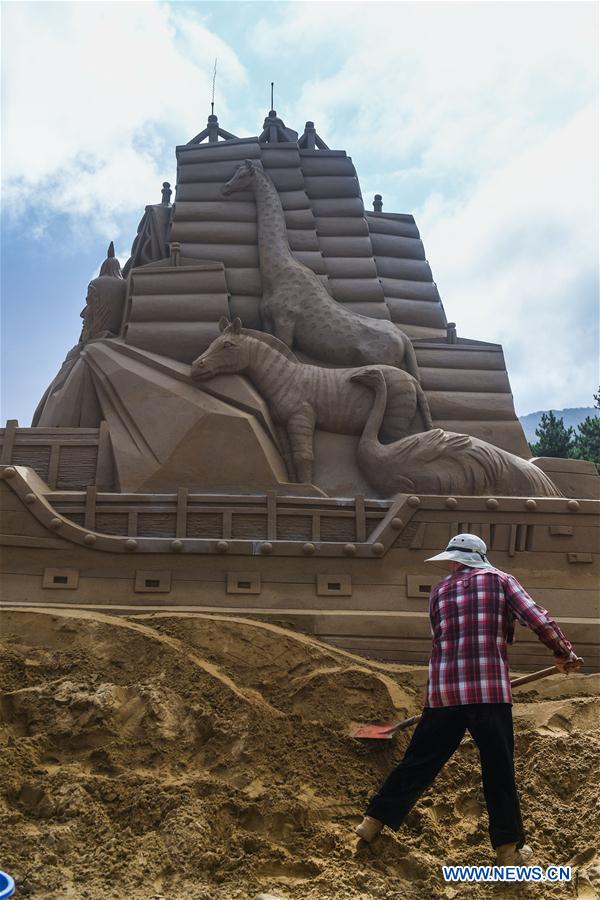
[177, 756]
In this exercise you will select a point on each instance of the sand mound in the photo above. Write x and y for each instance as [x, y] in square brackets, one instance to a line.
[185, 756]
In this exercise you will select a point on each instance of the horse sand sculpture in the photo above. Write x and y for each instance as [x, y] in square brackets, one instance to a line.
[303, 397]
[440, 462]
[296, 306]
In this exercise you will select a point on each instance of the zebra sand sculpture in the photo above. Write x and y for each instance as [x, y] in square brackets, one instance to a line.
[297, 308]
[303, 397]
[439, 461]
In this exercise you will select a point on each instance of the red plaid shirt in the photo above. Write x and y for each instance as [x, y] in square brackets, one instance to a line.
[472, 614]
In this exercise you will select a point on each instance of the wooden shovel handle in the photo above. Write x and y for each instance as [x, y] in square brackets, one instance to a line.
[535, 676]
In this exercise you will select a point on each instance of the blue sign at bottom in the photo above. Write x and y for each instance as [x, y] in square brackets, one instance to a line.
[7, 885]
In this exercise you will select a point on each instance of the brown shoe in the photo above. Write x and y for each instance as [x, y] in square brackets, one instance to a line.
[368, 829]
[508, 855]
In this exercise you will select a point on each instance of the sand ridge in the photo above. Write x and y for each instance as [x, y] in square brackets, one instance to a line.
[203, 756]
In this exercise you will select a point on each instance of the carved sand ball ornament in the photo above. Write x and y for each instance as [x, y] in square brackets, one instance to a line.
[573, 505]
[397, 523]
[530, 504]
[308, 549]
[350, 549]
[414, 501]
[55, 523]
[30, 499]
[9, 472]
[176, 545]
[131, 544]
[492, 503]
[451, 502]
[222, 546]
[89, 539]
[378, 549]
[267, 547]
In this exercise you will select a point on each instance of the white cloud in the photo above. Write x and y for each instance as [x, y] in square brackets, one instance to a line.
[446, 88]
[106, 90]
[518, 264]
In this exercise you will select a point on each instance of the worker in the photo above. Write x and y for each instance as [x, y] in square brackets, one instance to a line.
[472, 613]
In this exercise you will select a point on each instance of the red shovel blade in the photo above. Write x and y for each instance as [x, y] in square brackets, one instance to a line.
[375, 732]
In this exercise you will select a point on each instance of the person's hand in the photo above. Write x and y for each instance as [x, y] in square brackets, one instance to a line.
[568, 664]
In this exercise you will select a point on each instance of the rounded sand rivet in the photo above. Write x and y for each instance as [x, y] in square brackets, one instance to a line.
[308, 548]
[350, 549]
[9, 472]
[267, 547]
[378, 549]
[89, 539]
[573, 505]
[397, 523]
[176, 545]
[414, 501]
[222, 546]
[451, 502]
[30, 498]
[130, 544]
[55, 523]
[492, 503]
[530, 504]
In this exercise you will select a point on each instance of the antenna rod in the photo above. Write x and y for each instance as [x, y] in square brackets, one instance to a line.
[272, 83]
[212, 105]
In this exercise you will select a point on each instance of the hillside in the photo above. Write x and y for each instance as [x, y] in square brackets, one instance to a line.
[571, 417]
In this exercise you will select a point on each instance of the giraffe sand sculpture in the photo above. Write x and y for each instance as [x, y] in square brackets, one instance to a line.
[440, 462]
[303, 397]
[296, 306]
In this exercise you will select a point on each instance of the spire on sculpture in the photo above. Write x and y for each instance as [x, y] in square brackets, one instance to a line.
[111, 265]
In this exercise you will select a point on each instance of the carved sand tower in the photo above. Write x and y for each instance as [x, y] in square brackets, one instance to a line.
[268, 412]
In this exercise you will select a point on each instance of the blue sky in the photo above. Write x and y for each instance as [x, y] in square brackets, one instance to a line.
[479, 118]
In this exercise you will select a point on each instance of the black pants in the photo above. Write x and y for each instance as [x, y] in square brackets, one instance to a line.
[435, 739]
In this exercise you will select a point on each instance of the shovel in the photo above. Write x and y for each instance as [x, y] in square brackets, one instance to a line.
[387, 732]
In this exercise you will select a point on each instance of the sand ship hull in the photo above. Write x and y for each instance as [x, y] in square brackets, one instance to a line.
[349, 571]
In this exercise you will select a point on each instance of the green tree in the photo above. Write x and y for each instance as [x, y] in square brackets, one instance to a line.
[553, 438]
[586, 444]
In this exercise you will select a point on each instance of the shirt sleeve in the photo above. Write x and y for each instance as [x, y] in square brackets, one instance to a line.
[529, 613]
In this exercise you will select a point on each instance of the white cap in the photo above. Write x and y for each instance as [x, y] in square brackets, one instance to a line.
[466, 549]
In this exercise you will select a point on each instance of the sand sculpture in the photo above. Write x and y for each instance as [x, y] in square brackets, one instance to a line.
[102, 317]
[440, 462]
[302, 463]
[302, 397]
[295, 305]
